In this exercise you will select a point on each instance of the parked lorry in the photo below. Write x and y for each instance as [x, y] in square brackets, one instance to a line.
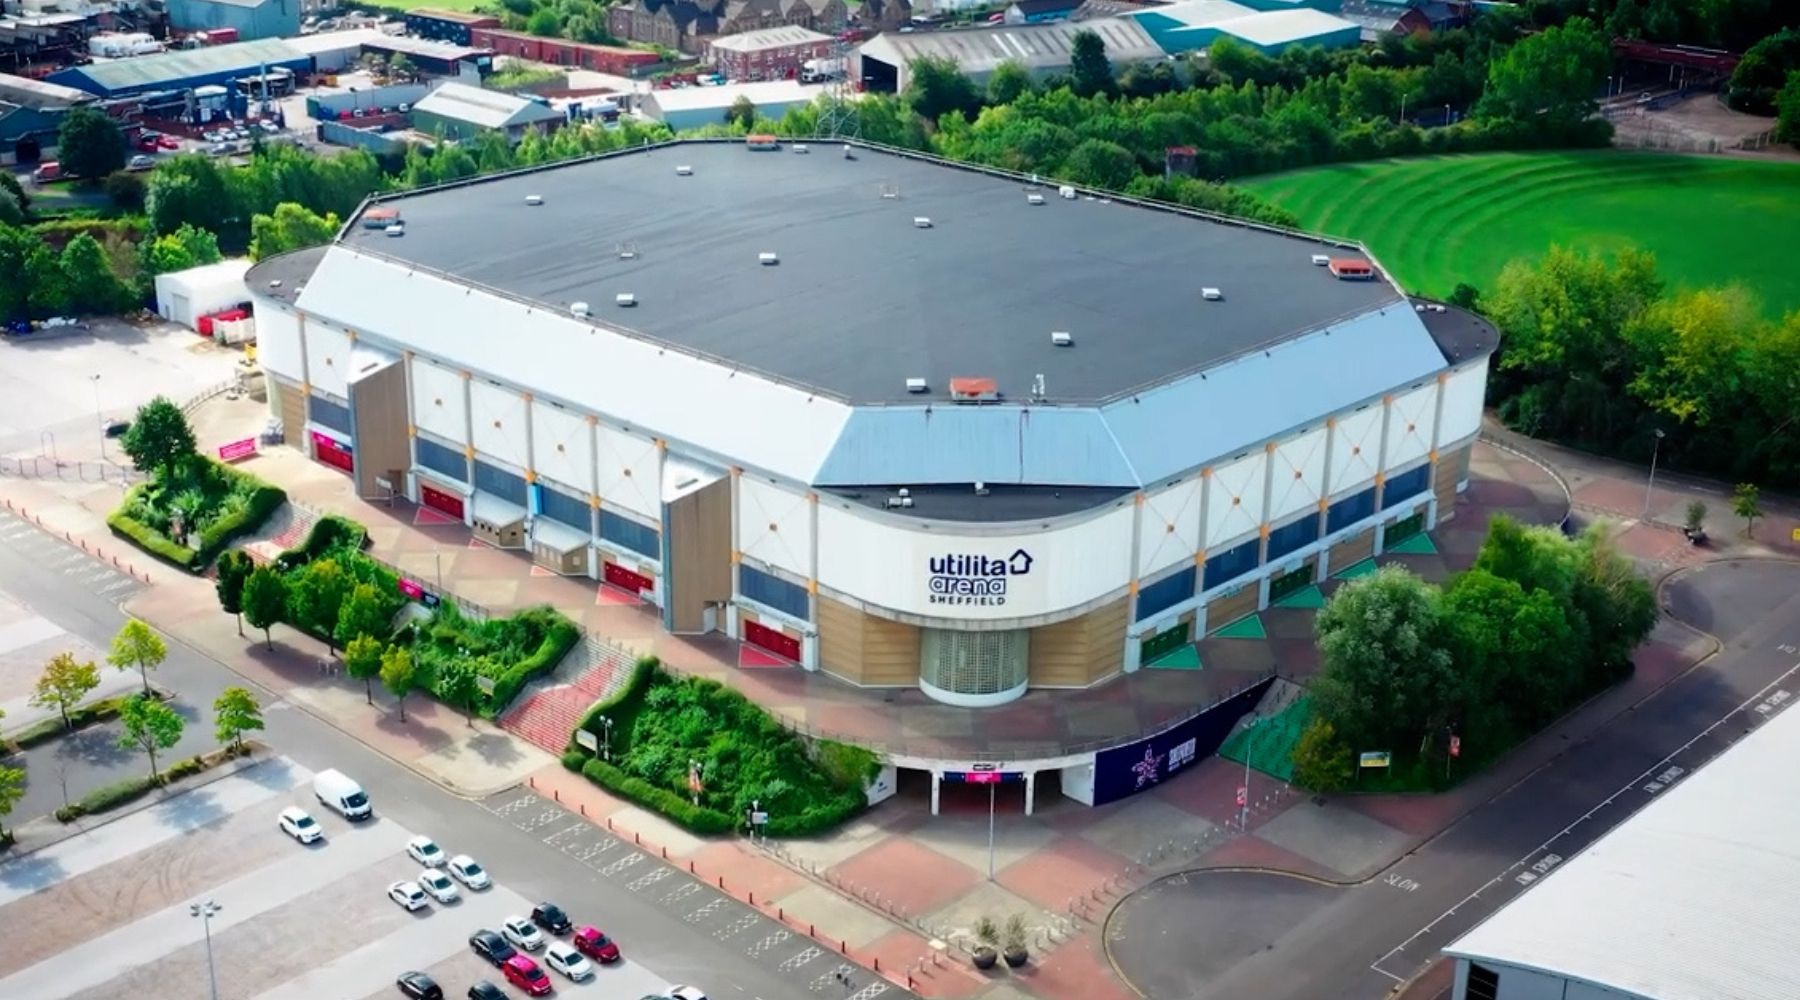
[820, 70]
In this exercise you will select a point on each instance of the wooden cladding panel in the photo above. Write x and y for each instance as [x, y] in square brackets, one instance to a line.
[1078, 652]
[1351, 551]
[1222, 611]
[865, 649]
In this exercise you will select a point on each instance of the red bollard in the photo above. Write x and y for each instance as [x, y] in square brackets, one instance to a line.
[557, 792]
[638, 839]
[909, 981]
[844, 947]
[780, 913]
[753, 899]
[609, 822]
[584, 810]
[811, 931]
[532, 780]
[721, 881]
[665, 854]
[878, 963]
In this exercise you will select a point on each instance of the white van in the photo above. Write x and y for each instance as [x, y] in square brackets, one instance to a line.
[338, 793]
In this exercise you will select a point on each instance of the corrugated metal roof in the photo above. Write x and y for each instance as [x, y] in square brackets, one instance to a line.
[769, 38]
[335, 41]
[952, 443]
[1194, 13]
[167, 68]
[1035, 46]
[1285, 27]
[1694, 898]
[483, 108]
[36, 94]
[703, 98]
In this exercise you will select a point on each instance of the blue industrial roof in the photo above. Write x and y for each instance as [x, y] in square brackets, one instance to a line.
[171, 70]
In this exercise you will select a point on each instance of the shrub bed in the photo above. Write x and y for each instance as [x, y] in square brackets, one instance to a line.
[79, 718]
[108, 797]
[509, 651]
[660, 723]
[219, 504]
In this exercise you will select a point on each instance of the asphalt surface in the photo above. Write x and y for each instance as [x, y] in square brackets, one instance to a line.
[1200, 936]
[683, 930]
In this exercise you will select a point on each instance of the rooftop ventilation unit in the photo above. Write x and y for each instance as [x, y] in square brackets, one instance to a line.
[534, 199]
[1067, 192]
[800, 147]
[974, 390]
[889, 190]
[767, 259]
[1419, 308]
[849, 154]
[1034, 199]
[916, 385]
[1062, 338]
[397, 229]
[895, 502]
[1211, 294]
[579, 309]
[921, 222]
[1350, 269]
[1321, 260]
[275, 283]
[1037, 386]
[627, 251]
[1436, 308]
[981, 489]
[684, 171]
[904, 492]
[625, 299]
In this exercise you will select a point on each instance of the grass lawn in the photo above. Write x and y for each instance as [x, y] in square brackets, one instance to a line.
[1435, 221]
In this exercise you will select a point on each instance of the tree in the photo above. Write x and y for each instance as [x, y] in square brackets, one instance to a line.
[1466, 296]
[126, 191]
[91, 283]
[190, 190]
[63, 684]
[89, 144]
[1787, 111]
[397, 675]
[1322, 762]
[460, 687]
[231, 574]
[1746, 502]
[938, 87]
[137, 647]
[1386, 675]
[291, 227]
[1101, 164]
[544, 23]
[236, 712]
[362, 660]
[159, 437]
[402, 68]
[149, 725]
[1763, 71]
[12, 789]
[316, 594]
[10, 184]
[265, 598]
[742, 112]
[1554, 73]
[1009, 81]
[1696, 517]
[362, 613]
[1088, 67]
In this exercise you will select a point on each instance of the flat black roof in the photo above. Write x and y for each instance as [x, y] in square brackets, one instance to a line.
[1002, 502]
[1459, 333]
[862, 299]
[283, 276]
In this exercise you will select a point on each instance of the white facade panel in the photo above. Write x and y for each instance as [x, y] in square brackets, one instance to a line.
[1528, 984]
[1355, 449]
[499, 421]
[629, 473]
[1412, 420]
[438, 401]
[774, 525]
[1297, 474]
[278, 347]
[562, 446]
[1169, 527]
[1464, 393]
[328, 358]
[973, 577]
[1234, 497]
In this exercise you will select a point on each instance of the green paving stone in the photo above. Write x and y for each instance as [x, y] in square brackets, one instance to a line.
[1250, 627]
[1185, 658]
[1418, 545]
[1365, 568]
[1305, 597]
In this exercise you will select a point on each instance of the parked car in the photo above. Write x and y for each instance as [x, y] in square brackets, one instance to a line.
[168, 142]
[568, 961]
[595, 945]
[438, 886]
[140, 162]
[484, 990]
[408, 895]
[147, 144]
[525, 974]
[551, 917]
[293, 821]
[464, 869]
[522, 933]
[419, 986]
[117, 428]
[268, 127]
[491, 947]
[425, 851]
[684, 993]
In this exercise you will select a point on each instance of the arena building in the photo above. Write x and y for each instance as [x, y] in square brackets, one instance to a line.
[908, 422]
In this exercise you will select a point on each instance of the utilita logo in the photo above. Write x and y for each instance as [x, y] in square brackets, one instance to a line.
[973, 579]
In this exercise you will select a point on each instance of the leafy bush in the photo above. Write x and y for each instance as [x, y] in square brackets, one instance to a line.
[695, 819]
[509, 651]
[80, 717]
[148, 537]
[340, 541]
[215, 501]
[107, 797]
[330, 533]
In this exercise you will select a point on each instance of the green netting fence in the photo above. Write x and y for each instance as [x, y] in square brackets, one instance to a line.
[1270, 743]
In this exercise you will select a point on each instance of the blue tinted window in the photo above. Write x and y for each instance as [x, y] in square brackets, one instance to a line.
[1405, 486]
[1232, 563]
[626, 533]
[326, 413]
[772, 591]
[499, 482]
[1350, 510]
[564, 508]
[1155, 598]
[441, 460]
[1290, 537]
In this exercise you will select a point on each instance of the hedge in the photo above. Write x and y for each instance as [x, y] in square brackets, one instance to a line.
[622, 705]
[131, 789]
[80, 717]
[558, 640]
[327, 533]
[694, 819]
[265, 499]
[149, 539]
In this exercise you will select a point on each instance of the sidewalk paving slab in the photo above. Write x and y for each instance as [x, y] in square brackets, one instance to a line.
[1344, 840]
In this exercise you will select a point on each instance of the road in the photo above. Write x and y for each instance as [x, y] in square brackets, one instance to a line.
[680, 929]
[1273, 937]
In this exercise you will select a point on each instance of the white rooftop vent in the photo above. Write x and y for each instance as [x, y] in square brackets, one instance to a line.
[628, 253]
[916, 385]
[579, 308]
[1034, 199]
[1211, 294]
[1419, 308]
[906, 501]
[1066, 192]
[1436, 308]
[534, 199]
[800, 147]
[903, 491]
[275, 283]
[1062, 338]
[397, 229]
[981, 489]
[921, 222]
[895, 502]
[849, 154]
[768, 259]
[625, 299]
[1320, 259]
[684, 171]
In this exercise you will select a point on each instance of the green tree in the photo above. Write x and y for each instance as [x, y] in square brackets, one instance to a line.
[316, 594]
[1763, 71]
[189, 190]
[10, 184]
[12, 789]
[1322, 762]
[1787, 111]
[230, 575]
[18, 247]
[1009, 81]
[362, 613]
[1746, 502]
[236, 712]
[1554, 73]
[126, 191]
[12, 212]
[137, 647]
[1695, 521]
[460, 687]
[159, 438]
[1101, 164]
[64, 682]
[177, 251]
[1386, 676]
[742, 112]
[92, 285]
[544, 23]
[397, 675]
[1089, 69]
[291, 227]
[938, 87]
[89, 144]
[265, 599]
[362, 659]
[149, 725]
[402, 68]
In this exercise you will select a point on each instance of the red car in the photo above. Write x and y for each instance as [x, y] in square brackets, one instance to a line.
[168, 142]
[525, 974]
[147, 144]
[595, 945]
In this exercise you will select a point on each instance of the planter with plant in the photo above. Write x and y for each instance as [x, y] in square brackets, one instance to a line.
[987, 935]
[1014, 952]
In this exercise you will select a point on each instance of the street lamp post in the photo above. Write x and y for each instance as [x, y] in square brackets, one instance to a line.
[1650, 486]
[99, 420]
[606, 723]
[1244, 807]
[1403, 98]
[205, 912]
[991, 788]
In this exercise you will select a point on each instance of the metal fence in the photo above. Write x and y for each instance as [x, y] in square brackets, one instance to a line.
[50, 467]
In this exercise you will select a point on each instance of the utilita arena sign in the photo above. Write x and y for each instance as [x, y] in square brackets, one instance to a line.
[983, 581]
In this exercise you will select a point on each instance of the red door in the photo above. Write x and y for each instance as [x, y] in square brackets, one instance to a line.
[624, 579]
[333, 454]
[773, 640]
[440, 501]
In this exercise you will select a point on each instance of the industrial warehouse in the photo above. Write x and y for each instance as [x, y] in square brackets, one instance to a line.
[907, 422]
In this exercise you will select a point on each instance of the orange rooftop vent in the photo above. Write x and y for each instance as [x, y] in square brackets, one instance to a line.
[974, 390]
[1351, 269]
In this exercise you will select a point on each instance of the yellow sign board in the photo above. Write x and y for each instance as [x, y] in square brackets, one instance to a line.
[1797, 534]
[250, 353]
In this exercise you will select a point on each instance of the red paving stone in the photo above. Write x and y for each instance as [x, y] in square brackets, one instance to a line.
[1418, 815]
[1209, 790]
[1066, 867]
[746, 872]
[1076, 971]
[898, 951]
[1611, 495]
[915, 878]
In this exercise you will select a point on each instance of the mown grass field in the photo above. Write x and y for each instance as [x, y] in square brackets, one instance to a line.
[1436, 221]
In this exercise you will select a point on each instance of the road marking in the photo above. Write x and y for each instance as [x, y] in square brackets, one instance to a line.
[1402, 883]
[705, 911]
[648, 879]
[565, 831]
[805, 955]
[118, 585]
[762, 947]
[623, 863]
[592, 851]
[1660, 767]
[737, 926]
[682, 893]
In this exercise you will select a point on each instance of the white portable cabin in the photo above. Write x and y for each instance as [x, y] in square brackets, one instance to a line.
[185, 296]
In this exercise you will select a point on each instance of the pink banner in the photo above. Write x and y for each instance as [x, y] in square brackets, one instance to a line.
[236, 450]
[411, 588]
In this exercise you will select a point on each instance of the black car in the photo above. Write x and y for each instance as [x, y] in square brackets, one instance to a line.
[492, 947]
[551, 917]
[117, 428]
[484, 990]
[419, 986]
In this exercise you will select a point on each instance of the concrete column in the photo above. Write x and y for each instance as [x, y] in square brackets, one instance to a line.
[937, 784]
[1387, 405]
[1030, 791]
[1262, 520]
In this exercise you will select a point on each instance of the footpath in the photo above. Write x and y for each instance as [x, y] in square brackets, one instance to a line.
[897, 889]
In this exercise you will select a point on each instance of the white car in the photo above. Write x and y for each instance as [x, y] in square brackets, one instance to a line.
[685, 993]
[464, 869]
[522, 933]
[297, 824]
[568, 961]
[438, 885]
[408, 895]
[425, 852]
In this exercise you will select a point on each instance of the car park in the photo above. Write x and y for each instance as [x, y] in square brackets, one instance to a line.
[484, 990]
[525, 974]
[566, 960]
[522, 933]
[551, 917]
[425, 851]
[295, 822]
[595, 945]
[464, 869]
[491, 947]
[419, 986]
[408, 895]
[438, 886]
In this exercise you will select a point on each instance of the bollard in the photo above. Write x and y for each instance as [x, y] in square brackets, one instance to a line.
[532, 780]
[752, 898]
[665, 854]
[878, 963]
[780, 913]
[637, 839]
[811, 931]
[584, 810]
[844, 947]
[909, 981]
[721, 881]
[609, 822]
[557, 792]
[690, 868]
